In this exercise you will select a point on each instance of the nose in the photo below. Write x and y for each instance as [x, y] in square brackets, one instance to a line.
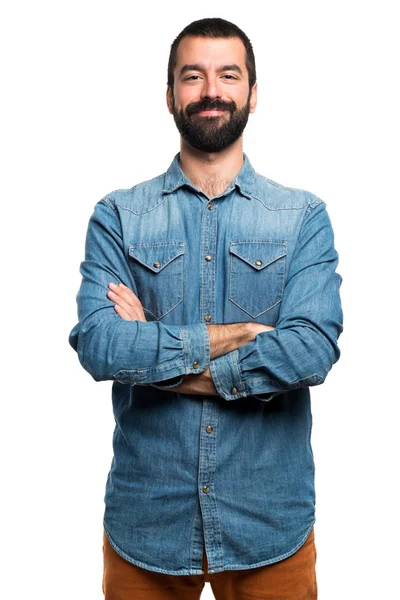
[210, 88]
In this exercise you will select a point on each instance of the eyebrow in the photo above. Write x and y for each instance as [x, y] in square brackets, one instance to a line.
[198, 67]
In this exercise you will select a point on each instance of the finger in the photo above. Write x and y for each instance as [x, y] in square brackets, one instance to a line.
[122, 313]
[131, 313]
[125, 293]
[120, 286]
[119, 300]
[128, 316]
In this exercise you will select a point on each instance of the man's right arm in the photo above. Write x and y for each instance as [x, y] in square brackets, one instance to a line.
[111, 348]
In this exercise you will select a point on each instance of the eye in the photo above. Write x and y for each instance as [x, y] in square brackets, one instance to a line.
[192, 77]
[229, 76]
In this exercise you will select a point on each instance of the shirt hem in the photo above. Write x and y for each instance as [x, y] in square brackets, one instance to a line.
[143, 565]
[233, 567]
[236, 567]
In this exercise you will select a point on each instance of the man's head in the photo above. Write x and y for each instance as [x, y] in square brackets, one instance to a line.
[211, 83]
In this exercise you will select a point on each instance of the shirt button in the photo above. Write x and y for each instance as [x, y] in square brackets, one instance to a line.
[233, 391]
[156, 265]
[206, 489]
[258, 262]
[210, 206]
[207, 318]
[195, 365]
[209, 429]
[208, 257]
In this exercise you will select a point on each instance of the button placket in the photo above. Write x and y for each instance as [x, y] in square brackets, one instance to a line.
[208, 267]
[207, 451]
[207, 469]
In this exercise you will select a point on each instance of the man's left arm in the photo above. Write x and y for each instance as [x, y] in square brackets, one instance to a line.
[303, 348]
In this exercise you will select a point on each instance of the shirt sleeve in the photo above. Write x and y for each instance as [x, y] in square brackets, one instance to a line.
[303, 347]
[111, 348]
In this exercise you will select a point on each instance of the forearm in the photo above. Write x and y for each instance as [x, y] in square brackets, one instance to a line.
[227, 337]
[201, 383]
[224, 338]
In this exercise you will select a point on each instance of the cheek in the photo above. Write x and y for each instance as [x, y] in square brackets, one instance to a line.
[184, 97]
[241, 99]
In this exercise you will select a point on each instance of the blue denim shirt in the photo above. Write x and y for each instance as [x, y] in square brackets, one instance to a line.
[233, 472]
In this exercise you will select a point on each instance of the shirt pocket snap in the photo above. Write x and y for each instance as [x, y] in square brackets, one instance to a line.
[257, 275]
[157, 269]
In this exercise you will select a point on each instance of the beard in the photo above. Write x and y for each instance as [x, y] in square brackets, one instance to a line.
[211, 134]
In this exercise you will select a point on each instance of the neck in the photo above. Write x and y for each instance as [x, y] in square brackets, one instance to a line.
[211, 172]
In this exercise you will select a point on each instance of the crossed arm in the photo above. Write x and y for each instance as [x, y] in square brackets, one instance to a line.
[298, 352]
[224, 338]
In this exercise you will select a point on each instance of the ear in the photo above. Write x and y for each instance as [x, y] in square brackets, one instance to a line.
[253, 98]
[170, 100]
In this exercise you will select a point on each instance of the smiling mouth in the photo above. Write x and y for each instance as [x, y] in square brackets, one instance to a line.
[213, 112]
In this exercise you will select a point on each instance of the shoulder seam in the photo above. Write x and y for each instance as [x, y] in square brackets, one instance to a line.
[109, 200]
[311, 199]
[274, 183]
[316, 202]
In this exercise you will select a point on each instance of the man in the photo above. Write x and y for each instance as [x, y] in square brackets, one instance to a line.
[210, 298]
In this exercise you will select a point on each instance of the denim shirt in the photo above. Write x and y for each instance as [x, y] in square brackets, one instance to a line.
[232, 473]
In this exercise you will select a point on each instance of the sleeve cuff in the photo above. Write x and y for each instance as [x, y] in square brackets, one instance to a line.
[196, 348]
[225, 372]
[196, 354]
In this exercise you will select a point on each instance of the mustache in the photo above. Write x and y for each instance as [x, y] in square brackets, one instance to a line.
[207, 104]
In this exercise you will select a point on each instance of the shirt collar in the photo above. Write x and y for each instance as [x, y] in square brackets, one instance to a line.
[244, 180]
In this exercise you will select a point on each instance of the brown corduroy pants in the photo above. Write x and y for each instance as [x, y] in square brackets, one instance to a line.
[293, 578]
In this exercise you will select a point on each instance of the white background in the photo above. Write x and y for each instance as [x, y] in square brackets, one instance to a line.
[83, 113]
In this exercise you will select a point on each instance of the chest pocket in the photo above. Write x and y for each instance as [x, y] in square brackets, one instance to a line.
[257, 275]
[158, 272]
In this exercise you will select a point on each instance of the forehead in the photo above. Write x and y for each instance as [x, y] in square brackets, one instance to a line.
[211, 52]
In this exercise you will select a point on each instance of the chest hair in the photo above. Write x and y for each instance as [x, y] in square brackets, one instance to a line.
[212, 186]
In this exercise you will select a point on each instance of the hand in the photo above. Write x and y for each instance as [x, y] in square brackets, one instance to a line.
[127, 304]
[197, 383]
[256, 328]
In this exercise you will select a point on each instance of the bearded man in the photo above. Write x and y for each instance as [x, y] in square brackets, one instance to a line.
[210, 298]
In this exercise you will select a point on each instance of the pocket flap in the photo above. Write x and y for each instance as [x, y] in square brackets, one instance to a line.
[156, 256]
[259, 254]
